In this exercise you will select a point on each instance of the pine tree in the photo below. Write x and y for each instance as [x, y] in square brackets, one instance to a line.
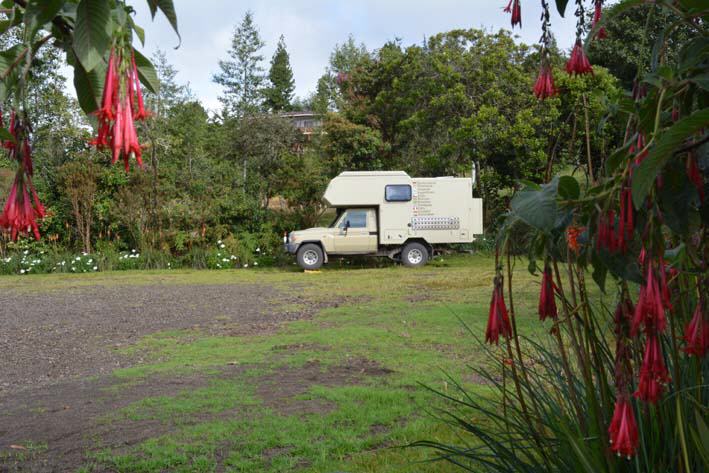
[280, 94]
[241, 75]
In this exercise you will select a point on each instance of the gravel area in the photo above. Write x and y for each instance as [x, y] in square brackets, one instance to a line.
[55, 336]
[58, 350]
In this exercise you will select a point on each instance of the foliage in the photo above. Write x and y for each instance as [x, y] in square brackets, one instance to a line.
[620, 384]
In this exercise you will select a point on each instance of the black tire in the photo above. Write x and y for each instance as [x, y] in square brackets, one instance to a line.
[414, 255]
[310, 256]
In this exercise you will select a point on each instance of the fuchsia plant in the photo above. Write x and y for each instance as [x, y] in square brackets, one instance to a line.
[622, 391]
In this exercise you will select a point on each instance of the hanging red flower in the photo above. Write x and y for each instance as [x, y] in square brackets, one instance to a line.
[22, 208]
[597, 13]
[607, 237]
[515, 9]
[572, 238]
[695, 175]
[547, 301]
[498, 322]
[578, 63]
[653, 372]
[623, 430]
[696, 334]
[122, 103]
[544, 87]
[627, 223]
[649, 310]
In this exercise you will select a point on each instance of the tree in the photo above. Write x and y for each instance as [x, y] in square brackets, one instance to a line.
[630, 37]
[344, 60]
[242, 75]
[279, 95]
[79, 186]
[459, 100]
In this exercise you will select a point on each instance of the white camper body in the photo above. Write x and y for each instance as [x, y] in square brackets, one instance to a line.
[390, 213]
[441, 209]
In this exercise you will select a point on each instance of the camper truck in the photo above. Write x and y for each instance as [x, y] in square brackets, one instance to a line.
[390, 214]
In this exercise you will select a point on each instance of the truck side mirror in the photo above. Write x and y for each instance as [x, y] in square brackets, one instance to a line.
[347, 226]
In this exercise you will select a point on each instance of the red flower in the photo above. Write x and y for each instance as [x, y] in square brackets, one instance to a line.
[544, 87]
[596, 18]
[606, 235]
[572, 238]
[696, 334]
[121, 105]
[623, 431]
[578, 62]
[498, 321]
[547, 302]
[516, 10]
[140, 113]
[649, 311]
[653, 372]
[627, 225]
[22, 208]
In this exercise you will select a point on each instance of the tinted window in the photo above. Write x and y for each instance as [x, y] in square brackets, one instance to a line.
[397, 193]
[357, 218]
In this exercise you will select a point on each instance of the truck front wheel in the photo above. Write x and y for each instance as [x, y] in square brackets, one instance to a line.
[310, 256]
[414, 255]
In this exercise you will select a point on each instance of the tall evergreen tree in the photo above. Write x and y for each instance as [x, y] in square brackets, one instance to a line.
[241, 74]
[279, 95]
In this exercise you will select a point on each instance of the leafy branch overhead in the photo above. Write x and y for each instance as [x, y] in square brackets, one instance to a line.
[85, 30]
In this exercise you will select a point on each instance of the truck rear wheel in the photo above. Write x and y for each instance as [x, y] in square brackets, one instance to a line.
[310, 256]
[414, 255]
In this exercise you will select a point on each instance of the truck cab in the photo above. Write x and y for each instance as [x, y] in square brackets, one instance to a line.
[389, 214]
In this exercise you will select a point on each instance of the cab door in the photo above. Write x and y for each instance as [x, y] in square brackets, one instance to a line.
[357, 232]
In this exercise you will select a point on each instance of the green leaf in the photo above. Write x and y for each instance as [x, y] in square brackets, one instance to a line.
[702, 80]
[92, 33]
[617, 157]
[9, 57]
[40, 12]
[537, 208]
[561, 6]
[569, 188]
[146, 72]
[168, 9]
[140, 32]
[667, 144]
[600, 272]
[5, 135]
[89, 86]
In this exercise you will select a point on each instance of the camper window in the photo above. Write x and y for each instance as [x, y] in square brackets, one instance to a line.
[397, 193]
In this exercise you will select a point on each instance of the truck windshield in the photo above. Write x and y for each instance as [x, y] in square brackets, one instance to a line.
[333, 224]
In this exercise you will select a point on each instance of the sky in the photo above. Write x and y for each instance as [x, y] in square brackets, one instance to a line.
[312, 28]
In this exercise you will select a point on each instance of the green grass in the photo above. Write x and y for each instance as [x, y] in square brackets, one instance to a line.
[404, 322]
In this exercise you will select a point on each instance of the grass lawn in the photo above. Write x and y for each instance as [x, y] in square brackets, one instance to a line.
[392, 330]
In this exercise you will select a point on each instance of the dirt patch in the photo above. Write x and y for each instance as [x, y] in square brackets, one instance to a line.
[70, 418]
[60, 348]
[48, 338]
[279, 390]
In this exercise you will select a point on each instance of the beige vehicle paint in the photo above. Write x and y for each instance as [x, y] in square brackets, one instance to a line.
[383, 212]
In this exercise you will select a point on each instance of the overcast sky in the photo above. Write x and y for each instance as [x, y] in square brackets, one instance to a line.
[313, 27]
